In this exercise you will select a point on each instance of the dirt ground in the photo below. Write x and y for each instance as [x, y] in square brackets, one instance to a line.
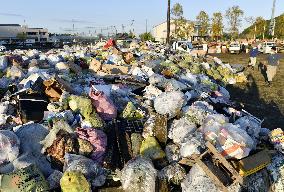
[259, 99]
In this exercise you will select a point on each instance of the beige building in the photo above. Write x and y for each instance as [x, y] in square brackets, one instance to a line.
[10, 32]
[160, 32]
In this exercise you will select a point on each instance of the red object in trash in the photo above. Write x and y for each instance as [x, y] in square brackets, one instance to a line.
[110, 43]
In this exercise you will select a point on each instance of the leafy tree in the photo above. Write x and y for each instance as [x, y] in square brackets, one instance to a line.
[186, 30]
[22, 36]
[234, 16]
[279, 29]
[131, 34]
[257, 27]
[217, 25]
[100, 36]
[260, 24]
[147, 37]
[203, 22]
[177, 12]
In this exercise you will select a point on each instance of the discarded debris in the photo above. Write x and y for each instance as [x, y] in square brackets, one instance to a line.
[138, 119]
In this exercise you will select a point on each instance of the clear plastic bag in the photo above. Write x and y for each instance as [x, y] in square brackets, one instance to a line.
[250, 125]
[173, 173]
[9, 146]
[197, 180]
[3, 63]
[169, 103]
[180, 130]
[90, 169]
[230, 140]
[198, 112]
[138, 175]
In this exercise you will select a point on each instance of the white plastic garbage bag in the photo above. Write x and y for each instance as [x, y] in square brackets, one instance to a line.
[61, 66]
[9, 146]
[151, 92]
[198, 111]
[3, 119]
[138, 175]
[193, 145]
[4, 106]
[181, 129]
[230, 140]
[3, 62]
[53, 59]
[169, 103]
[196, 180]
[90, 169]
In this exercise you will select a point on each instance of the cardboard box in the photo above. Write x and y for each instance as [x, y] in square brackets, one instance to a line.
[115, 69]
[95, 66]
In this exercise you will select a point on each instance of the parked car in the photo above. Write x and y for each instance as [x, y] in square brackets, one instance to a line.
[2, 48]
[235, 48]
[266, 47]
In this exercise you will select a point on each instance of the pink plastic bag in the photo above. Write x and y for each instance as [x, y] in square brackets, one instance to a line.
[104, 106]
[97, 138]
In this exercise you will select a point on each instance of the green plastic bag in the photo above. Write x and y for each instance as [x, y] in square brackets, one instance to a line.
[26, 179]
[73, 181]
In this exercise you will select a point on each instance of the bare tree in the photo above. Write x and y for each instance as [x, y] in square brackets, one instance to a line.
[234, 15]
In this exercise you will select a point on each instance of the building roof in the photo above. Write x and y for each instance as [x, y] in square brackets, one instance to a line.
[10, 25]
[36, 28]
[172, 23]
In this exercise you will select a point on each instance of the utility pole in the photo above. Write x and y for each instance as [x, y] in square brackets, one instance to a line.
[123, 27]
[168, 23]
[272, 21]
[264, 28]
[73, 26]
[146, 26]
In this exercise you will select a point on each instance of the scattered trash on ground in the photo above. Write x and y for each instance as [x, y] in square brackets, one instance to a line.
[139, 119]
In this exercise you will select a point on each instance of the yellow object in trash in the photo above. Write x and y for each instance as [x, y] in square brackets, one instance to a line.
[254, 163]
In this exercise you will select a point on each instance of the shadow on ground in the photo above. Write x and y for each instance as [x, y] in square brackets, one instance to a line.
[249, 96]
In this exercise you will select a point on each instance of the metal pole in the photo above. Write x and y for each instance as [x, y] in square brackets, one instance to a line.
[168, 22]
[146, 26]
[272, 22]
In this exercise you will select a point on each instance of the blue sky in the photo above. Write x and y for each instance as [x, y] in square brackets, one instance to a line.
[93, 15]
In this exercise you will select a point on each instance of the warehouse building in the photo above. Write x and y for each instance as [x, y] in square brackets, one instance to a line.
[160, 32]
[15, 33]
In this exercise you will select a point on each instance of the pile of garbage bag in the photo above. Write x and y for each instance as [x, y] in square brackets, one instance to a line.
[135, 118]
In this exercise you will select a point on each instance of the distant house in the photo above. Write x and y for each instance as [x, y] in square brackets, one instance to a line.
[160, 32]
[10, 33]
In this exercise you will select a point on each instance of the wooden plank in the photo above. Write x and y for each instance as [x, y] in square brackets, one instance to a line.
[224, 162]
[215, 179]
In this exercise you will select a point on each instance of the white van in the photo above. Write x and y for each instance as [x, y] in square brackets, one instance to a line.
[182, 46]
[266, 47]
[235, 48]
